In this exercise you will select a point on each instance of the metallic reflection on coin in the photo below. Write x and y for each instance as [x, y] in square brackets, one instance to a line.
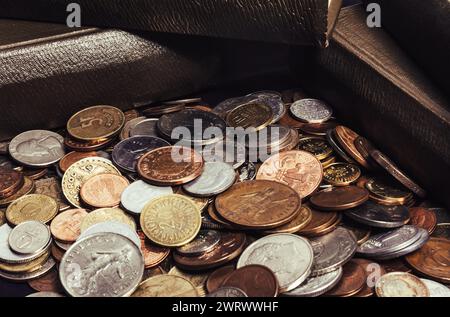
[26, 276]
[216, 178]
[144, 127]
[247, 172]
[139, 193]
[380, 216]
[317, 285]
[436, 289]
[45, 294]
[29, 237]
[400, 284]
[112, 227]
[166, 286]
[311, 110]
[205, 241]
[227, 292]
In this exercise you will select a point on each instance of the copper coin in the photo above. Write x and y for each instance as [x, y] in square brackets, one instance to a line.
[255, 280]
[352, 280]
[423, 218]
[103, 190]
[86, 146]
[34, 173]
[10, 181]
[28, 187]
[47, 283]
[318, 128]
[373, 272]
[230, 247]
[300, 221]
[395, 265]
[170, 165]
[258, 204]
[432, 260]
[57, 253]
[200, 107]
[73, 157]
[319, 221]
[340, 198]
[153, 255]
[212, 212]
[66, 226]
[298, 169]
[131, 114]
[216, 278]
[346, 139]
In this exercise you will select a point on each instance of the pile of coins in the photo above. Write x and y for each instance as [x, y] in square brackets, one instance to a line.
[150, 203]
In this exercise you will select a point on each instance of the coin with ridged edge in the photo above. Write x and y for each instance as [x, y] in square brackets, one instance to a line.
[32, 207]
[400, 284]
[341, 174]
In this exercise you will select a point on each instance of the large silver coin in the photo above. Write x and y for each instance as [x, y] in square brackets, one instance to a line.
[102, 265]
[29, 237]
[26, 276]
[228, 292]
[37, 148]
[216, 178]
[289, 256]
[332, 250]
[380, 216]
[45, 294]
[311, 110]
[229, 152]
[205, 241]
[145, 127]
[317, 285]
[436, 289]
[139, 193]
[112, 227]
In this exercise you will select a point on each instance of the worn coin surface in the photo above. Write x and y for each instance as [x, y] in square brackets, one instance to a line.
[216, 178]
[256, 115]
[316, 146]
[29, 237]
[300, 221]
[317, 285]
[386, 191]
[423, 218]
[117, 258]
[66, 226]
[103, 190]
[139, 193]
[298, 169]
[32, 207]
[227, 292]
[346, 138]
[111, 227]
[255, 280]
[400, 284]
[273, 99]
[352, 280]
[376, 215]
[205, 241]
[223, 108]
[51, 186]
[143, 127]
[216, 278]
[37, 148]
[290, 257]
[153, 254]
[10, 181]
[436, 289]
[47, 283]
[166, 286]
[339, 198]
[311, 110]
[341, 174]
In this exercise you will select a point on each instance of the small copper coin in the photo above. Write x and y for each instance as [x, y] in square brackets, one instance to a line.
[103, 190]
[10, 181]
[171, 165]
[373, 272]
[153, 254]
[86, 146]
[57, 253]
[66, 225]
[47, 283]
[352, 280]
[346, 139]
[28, 187]
[320, 221]
[73, 157]
[319, 129]
[395, 265]
[216, 278]
[255, 280]
[423, 218]
[340, 198]
[35, 173]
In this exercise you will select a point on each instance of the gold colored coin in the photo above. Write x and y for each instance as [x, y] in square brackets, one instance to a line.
[97, 122]
[341, 174]
[171, 220]
[301, 220]
[328, 161]
[2, 216]
[166, 286]
[80, 172]
[385, 191]
[25, 267]
[32, 207]
[256, 115]
[107, 214]
[316, 146]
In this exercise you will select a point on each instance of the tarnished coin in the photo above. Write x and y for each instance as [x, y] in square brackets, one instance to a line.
[143, 127]
[103, 190]
[10, 181]
[442, 231]
[300, 221]
[400, 284]
[311, 110]
[32, 207]
[78, 173]
[107, 214]
[47, 283]
[153, 254]
[373, 272]
[86, 146]
[436, 289]
[171, 220]
[332, 141]
[233, 153]
[332, 250]
[339, 198]
[289, 256]
[256, 115]
[341, 174]
[29, 237]
[258, 204]
[37, 148]
[320, 223]
[172, 165]
[73, 157]
[423, 218]
[127, 152]
[227, 292]
[26, 276]
[386, 191]
[317, 285]
[380, 216]
[166, 286]
[216, 178]
[112, 227]
[223, 108]
[205, 241]
[97, 122]
[66, 226]
[298, 169]
[51, 186]
[139, 193]
[316, 146]
[346, 138]
[128, 126]
[273, 99]
[216, 278]
[117, 258]
[352, 280]
[247, 172]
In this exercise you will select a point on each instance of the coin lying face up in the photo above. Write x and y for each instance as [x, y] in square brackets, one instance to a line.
[139, 193]
[29, 237]
[216, 178]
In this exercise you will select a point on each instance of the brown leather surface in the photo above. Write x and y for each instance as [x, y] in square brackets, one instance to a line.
[376, 88]
[284, 21]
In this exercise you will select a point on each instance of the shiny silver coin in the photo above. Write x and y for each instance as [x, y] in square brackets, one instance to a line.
[332, 250]
[436, 289]
[205, 241]
[112, 227]
[102, 265]
[145, 127]
[26, 276]
[311, 110]
[139, 193]
[381, 216]
[228, 292]
[29, 237]
[216, 178]
[229, 152]
[247, 172]
[45, 294]
[289, 256]
[38, 148]
[337, 148]
[317, 285]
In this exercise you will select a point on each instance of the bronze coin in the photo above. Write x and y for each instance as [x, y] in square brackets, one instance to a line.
[352, 281]
[153, 254]
[373, 272]
[73, 157]
[387, 191]
[319, 129]
[131, 114]
[103, 190]
[212, 212]
[300, 221]
[170, 165]
[256, 115]
[66, 225]
[423, 218]
[230, 246]
[320, 220]
[86, 146]
[57, 253]
[346, 138]
[432, 260]
[200, 107]
[48, 283]
[28, 187]
[258, 204]
[10, 181]
[340, 198]
[216, 278]
[255, 280]
[34, 173]
[395, 265]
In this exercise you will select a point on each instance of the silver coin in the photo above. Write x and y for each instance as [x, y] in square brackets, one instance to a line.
[216, 178]
[376, 215]
[228, 292]
[247, 172]
[205, 241]
[37, 148]
[145, 127]
[436, 289]
[26, 276]
[311, 110]
[129, 125]
[101, 265]
[64, 246]
[230, 152]
[139, 193]
[112, 227]
[400, 284]
[289, 256]
[223, 108]
[332, 250]
[390, 241]
[317, 285]
[45, 294]
[29, 237]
